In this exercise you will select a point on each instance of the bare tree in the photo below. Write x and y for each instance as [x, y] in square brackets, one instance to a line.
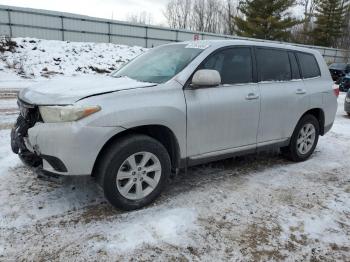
[210, 16]
[303, 31]
[140, 18]
[214, 16]
[198, 15]
[309, 7]
[178, 13]
[228, 12]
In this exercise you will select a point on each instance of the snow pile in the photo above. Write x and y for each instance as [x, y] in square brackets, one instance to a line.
[37, 58]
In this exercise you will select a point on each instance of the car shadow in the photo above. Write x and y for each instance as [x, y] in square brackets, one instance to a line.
[87, 203]
[231, 168]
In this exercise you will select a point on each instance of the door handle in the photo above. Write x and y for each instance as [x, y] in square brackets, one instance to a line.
[300, 91]
[252, 96]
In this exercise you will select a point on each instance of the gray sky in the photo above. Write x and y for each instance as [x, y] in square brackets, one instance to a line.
[98, 8]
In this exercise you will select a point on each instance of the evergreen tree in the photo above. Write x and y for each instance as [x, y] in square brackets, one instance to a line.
[329, 23]
[266, 19]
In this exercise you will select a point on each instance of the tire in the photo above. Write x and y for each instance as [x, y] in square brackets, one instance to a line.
[127, 187]
[348, 113]
[296, 151]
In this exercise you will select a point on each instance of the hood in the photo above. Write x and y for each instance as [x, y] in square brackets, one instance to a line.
[68, 90]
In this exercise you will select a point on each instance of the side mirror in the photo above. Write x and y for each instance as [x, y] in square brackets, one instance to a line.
[206, 78]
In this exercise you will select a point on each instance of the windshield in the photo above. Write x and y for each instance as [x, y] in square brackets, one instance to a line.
[339, 66]
[159, 64]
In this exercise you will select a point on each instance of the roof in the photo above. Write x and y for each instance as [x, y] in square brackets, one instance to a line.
[223, 43]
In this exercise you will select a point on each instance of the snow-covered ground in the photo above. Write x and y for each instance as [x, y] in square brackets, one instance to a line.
[250, 208]
[34, 60]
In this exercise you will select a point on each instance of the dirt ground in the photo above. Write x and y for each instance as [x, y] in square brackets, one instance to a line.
[253, 208]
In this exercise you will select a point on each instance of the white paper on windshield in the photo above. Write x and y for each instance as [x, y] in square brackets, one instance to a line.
[197, 45]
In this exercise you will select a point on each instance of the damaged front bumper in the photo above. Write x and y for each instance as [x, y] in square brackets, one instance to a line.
[29, 115]
[69, 148]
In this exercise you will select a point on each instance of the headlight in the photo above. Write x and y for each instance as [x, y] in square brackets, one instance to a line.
[54, 114]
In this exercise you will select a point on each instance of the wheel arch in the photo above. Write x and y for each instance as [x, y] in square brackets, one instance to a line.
[318, 113]
[161, 133]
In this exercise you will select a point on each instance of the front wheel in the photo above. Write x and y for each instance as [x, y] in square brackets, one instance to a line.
[304, 139]
[134, 171]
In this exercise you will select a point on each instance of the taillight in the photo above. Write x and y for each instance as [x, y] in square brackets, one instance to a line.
[336, 89]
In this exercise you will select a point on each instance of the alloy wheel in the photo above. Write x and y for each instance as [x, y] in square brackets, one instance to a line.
[139, 175]
[306, 139]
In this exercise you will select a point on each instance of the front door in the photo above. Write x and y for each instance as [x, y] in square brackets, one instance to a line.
[227, 116]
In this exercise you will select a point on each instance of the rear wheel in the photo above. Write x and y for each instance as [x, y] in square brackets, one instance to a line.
[134, 171]
[304, 139]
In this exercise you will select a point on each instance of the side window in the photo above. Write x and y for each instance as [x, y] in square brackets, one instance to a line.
[273, 65]
[234, 65]
[308, 65]
[294, 66]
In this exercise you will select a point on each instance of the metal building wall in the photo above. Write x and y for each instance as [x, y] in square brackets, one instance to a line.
[27, 22]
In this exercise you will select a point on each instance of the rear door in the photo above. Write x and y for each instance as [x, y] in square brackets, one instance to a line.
[283, 94]
[227, 116]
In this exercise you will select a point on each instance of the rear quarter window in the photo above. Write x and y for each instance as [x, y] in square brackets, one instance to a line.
[308, 65]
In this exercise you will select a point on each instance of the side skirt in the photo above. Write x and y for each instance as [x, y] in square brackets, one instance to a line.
[241, 151]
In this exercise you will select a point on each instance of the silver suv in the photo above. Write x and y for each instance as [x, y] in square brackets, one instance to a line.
[176, 106]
